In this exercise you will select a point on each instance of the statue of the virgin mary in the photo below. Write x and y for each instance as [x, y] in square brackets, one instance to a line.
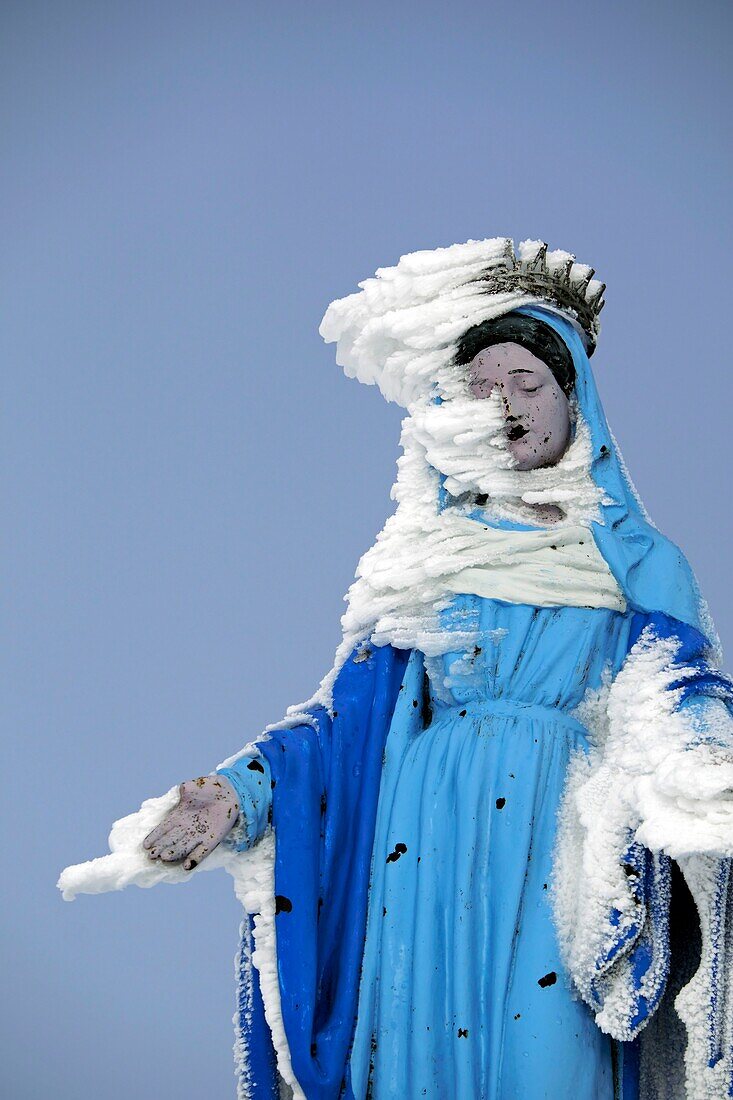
[491, 857]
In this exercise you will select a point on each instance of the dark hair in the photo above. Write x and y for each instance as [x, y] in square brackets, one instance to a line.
[532, 334]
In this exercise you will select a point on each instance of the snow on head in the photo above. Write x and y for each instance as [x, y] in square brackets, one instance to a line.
[399, 330]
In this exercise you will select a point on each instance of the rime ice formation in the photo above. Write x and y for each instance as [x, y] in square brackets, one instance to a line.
[409, 576]
[400, 329]
[399, 332]
[128, 864]
[653, 779]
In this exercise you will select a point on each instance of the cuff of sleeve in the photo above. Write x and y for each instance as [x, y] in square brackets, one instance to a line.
[250, 777]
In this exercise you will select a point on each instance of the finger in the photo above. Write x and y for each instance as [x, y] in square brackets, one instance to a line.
[171, 818]
[163, 838]
[176, 834]
[155, 835]
[201, 851]
[175, 846]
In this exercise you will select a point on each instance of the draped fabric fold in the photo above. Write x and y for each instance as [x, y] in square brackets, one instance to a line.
[325, 786]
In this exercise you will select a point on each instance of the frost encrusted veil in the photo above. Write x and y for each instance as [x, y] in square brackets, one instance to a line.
[400, 332]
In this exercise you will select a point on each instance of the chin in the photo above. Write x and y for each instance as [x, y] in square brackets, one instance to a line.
[525, 457]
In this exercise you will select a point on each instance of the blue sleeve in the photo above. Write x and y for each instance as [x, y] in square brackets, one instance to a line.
[250, 777]
[703, 688]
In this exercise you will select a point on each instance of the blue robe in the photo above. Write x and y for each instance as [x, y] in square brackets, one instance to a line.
[463, 989]
[475, 791]
[455, 988]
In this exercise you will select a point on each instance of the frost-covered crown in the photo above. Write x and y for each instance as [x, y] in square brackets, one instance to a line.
[556, 277]
[399, 331]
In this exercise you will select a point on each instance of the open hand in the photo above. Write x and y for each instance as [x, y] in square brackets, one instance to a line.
[206, 813]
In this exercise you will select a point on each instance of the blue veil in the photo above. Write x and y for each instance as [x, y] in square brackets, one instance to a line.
[651, 571]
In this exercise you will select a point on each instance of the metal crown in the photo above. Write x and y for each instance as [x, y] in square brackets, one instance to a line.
[556, 277]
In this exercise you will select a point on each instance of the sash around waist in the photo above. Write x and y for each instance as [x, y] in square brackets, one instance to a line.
[509, 708]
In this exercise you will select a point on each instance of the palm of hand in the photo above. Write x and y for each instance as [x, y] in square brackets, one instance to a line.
[206, 813]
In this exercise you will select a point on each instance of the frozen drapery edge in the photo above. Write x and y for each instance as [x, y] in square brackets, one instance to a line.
[651, 789]
[243, 970]
[705, 1003]
[253, 872]
[254, 885]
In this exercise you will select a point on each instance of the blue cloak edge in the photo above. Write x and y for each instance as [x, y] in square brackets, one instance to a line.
[326, 777]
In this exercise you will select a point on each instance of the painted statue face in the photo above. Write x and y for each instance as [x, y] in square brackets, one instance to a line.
[536, 408]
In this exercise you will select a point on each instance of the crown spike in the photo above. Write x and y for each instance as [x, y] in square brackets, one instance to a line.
[508, 253]
[539, 262]
[593, 298]
[563, 273]
[580, 276]
[532, 256]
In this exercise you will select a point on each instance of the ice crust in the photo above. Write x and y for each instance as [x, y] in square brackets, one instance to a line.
[660, 774]
[407, 580]
[399, 330]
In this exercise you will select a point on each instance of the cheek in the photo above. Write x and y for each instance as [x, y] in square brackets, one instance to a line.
[552, 417]
[549, 430]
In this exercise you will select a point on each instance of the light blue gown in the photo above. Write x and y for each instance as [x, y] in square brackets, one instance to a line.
[463, 993]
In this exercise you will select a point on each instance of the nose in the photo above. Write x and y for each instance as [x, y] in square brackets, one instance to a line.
[508, 414]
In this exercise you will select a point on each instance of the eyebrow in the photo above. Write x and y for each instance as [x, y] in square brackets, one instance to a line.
[521, 370]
